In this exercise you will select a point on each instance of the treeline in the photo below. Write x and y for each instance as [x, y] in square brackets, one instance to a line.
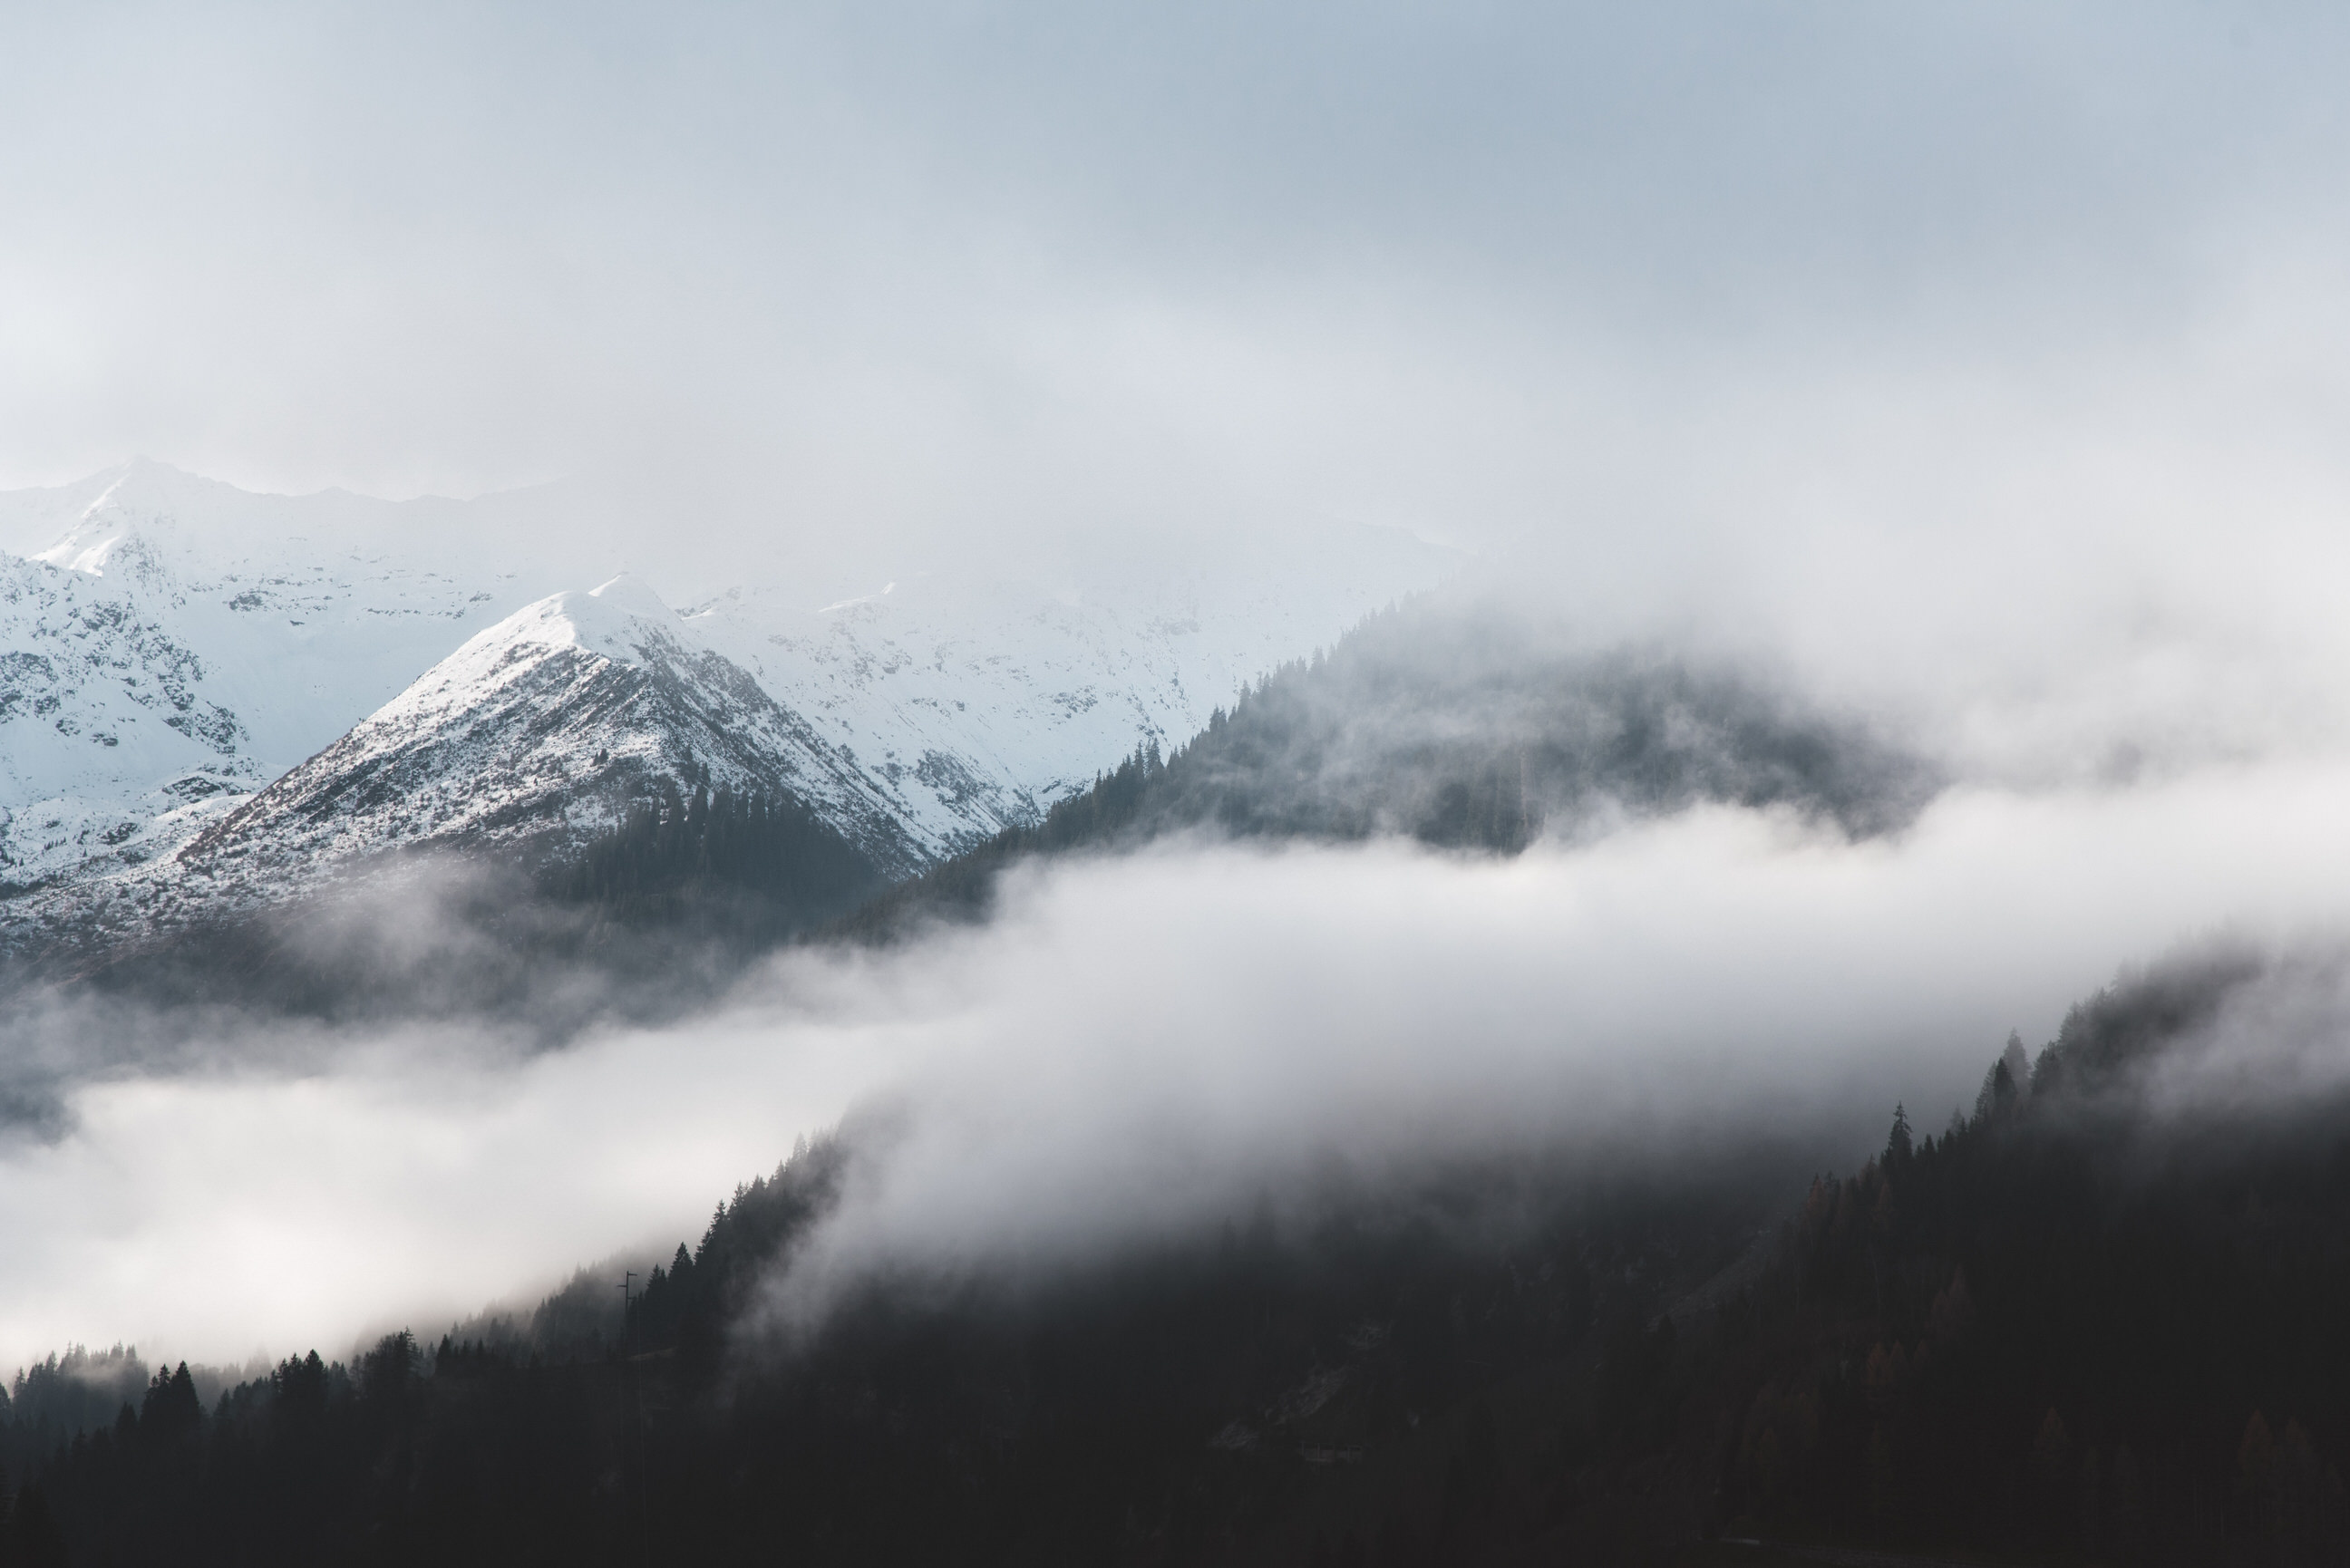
[1264, 1391]
[2057, 1329]
[512, 1449]
[646, 919]
[2063, 1328]
[1460, 730]
[51, 1400]
[1464, 729]
[759, 863]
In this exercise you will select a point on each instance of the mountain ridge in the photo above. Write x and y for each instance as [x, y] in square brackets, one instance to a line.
[179, 648]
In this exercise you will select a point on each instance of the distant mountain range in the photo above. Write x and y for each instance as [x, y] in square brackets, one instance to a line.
[212, 700]
[1454, 723]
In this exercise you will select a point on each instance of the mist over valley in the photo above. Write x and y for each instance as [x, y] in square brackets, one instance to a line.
[909, 784]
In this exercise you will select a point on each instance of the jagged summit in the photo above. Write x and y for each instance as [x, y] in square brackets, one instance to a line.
[977, 702]
[615, 619]
[623, 621]
[170, 645]
[534, 735]
[168, 640]
[34, 521]
[149, 504]
[196, 526]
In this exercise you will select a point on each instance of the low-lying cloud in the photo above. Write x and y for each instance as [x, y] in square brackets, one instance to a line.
[1140, 1044]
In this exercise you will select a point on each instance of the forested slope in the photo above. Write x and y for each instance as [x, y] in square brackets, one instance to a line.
[2069, 1327]
[648, 919]
[1436, 721]
[1448, 723]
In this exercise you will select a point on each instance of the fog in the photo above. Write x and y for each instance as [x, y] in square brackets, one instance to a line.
[2266, 1041]
[1140, 1045]
[1981, 368]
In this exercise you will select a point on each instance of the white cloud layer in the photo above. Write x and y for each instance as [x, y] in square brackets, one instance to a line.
[1140, 1044]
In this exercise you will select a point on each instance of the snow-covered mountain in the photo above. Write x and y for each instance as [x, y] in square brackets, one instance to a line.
[209, 697]
[176, 643]
[539, 731]
[973, 705]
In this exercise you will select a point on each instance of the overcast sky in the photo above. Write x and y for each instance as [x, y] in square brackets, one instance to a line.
[1646, 281]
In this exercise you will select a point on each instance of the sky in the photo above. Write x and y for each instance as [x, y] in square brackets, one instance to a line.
[1984, 365]
[1930, 350]
[1651, 285]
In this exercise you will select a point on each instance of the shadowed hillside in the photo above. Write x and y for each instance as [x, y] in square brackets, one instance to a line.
[1464, 731]
[2064, 1328]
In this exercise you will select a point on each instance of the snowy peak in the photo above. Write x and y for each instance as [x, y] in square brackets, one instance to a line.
[534, 736]
[624, 622]
[976, 703]
[31, 521]
[619, 618]
[169, 643]
[162, 634]
[152, 518]
[91, 543]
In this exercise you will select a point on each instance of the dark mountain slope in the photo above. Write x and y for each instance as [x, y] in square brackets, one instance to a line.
[1434, 721]
[1378, 1371]
[1461, 729]
[581, 766]
[2065, 1329]
[645, 921]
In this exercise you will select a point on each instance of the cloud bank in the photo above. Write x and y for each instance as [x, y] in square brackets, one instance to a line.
[1138, 1044]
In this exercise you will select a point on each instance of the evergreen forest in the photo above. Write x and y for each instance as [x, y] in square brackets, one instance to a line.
[1460, 731]
[2063, 1328]
[1428, 722]
[754, 867]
